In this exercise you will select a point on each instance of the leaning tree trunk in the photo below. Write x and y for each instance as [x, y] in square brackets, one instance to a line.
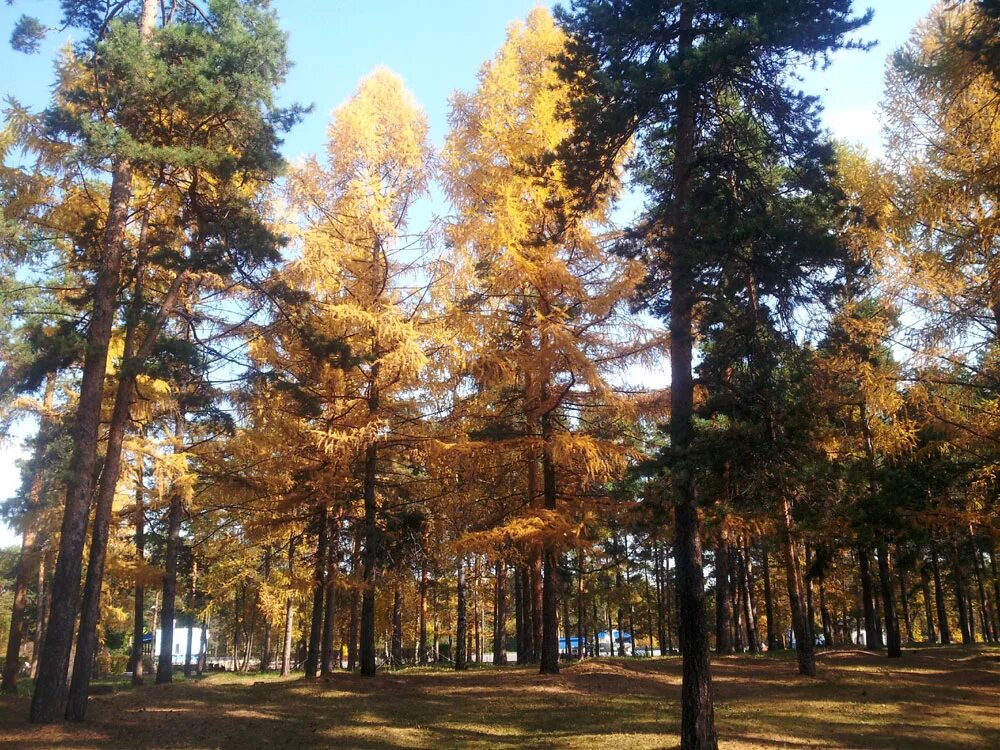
[48, 698]
[893, 640]
[29, 563]
[164, 668]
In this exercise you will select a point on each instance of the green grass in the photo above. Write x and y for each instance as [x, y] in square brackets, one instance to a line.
[932, 698]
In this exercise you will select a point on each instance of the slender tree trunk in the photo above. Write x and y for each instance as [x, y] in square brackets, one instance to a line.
[805, 647]
[829, 639]
[459, 654]
[581, 609]
[164, 668]
[286, 653]
[369, 562]
[29, 563]
[519, 628]
[266, 656]
[424, 580]
[189, 646]
[203, 648]
[749, 608]
[319, 591]
[723, 597]
[773, 641]
[873, 634]
[961, 599]
[942, 609]
[549, 662]
[397, 627]
[500, 620]
[985, 616]
[904, 605]
[45, 562]
[893, 640]
[930, 635]
[327, 665]
[139, 604]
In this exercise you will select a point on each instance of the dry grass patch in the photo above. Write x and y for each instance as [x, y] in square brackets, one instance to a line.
[939, 698]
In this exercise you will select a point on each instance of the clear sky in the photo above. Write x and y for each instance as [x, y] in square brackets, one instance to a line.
[437, 46]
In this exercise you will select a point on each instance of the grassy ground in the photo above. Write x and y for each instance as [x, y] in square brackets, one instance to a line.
[945, 698]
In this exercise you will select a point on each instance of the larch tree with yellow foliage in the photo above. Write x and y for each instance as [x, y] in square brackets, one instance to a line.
[537, 294]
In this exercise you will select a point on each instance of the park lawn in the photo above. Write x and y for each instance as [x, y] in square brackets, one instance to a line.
[943, 697]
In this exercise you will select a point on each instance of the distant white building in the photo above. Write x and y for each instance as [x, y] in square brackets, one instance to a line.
[179, 650]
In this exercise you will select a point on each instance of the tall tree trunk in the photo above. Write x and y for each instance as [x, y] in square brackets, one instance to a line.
[49, 696]
[461, 628]
[961, 599]
[549, 662]
[30, 560]
[773, 640]
[749, 607]
[45, 562]
[266, 655]
[904, 605]
[164, 668]
[500, 620]
[930, 635]
[330, 597]
[723, 597]
[424, 580]
[942, 609]
[581, 609]
[893, 640]
[369, 563]
[661, 620]
[873, 633]
[829, 639]
[805, 647]
[139, 604]
[319, 591]
[189, 646]
[519, 618]
[697, 709]
[397, 627]
[286, 653]
[985, 616]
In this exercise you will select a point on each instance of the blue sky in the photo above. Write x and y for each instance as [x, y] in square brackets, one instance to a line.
[437, 46]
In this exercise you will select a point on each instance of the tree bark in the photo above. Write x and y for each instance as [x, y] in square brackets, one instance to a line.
[459, 654]
[749, 606]
[139, 604]
[873, 634]
[773, 641]
[164, 667]
[500, 620]
[939, 601]
[930, 635]
[805, 647]
[893, 640]
[961, 598]
[723, 597]
[397, 627]
[319, 591]
[369, 563]
[286, 653]
[904, 605]
[330, 597]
